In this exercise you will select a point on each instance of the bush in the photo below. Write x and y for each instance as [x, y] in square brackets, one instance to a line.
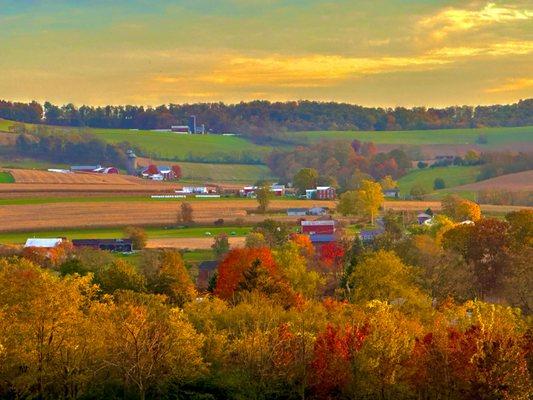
[137, 235]
[422, 164]
[418, 191]
[438, 184]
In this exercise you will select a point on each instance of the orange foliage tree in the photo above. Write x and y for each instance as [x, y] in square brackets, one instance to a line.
[231, 270]
[304, 243]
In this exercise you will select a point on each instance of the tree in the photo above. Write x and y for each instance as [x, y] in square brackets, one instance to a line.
[255, 239]
[166, 274]
[220, 246]
[185, 214]
[176, 169]
[421, 164]
[347, 204]
[120, 275]
[387, 183]
[152, 169]
[438, 184]
[275, 233]
[237, 261]
[417, 191]
[460, 209]
[306, 178]
[137, 235]
[370, 198]
[383, 276]
[264, 195]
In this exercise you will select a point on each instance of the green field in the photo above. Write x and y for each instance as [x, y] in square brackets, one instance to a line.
[5, 124]
[495, 136]
[6, 177]
[110, 233]
[453, 176]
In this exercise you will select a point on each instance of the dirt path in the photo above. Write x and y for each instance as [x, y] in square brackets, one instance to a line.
[192, 243]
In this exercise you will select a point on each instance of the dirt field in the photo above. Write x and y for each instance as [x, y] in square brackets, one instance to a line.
[192, 243]
[430, 151]
[521, 181]
[123, 213]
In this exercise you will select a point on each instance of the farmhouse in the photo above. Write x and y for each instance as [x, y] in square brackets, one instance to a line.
[118, 245]
[194, 190]
[158, 173]
[44, 243]
[321, 193]
[278, 190]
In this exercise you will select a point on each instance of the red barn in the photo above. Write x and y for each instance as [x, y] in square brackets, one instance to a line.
[325, 193]
[318, 227]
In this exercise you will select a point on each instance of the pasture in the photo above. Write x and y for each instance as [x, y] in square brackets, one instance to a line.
[495, 136]
[224, 172]
[6, 177]
[452, 175]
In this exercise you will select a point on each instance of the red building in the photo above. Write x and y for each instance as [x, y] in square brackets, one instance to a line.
[325, 193]
[318, 227]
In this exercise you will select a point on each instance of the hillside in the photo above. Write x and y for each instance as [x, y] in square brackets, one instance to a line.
[453, 176]
[520, 181]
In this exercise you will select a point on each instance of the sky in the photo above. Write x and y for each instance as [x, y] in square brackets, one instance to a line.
[370, 52]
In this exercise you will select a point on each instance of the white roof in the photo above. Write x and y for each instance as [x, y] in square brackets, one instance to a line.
[323, 187]
[315, 223]
[43, 242]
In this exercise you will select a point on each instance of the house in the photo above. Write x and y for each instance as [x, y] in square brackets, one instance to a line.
[181, 129]
[206, 270]
[278, 190]
[368, 236]
[392, 193]
[318, 211]
[321, 193]
[248, 191]
[115, 245]
[422, 218]
[107, 170]
[163, 173]
[44, 243]
[297, 211]
[194, 190]
[318, 227]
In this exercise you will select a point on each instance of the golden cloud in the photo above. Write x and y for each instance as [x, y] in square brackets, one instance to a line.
[453, 19]
[512, 85]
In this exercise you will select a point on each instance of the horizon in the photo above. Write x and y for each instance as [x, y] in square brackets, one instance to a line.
[386, 54]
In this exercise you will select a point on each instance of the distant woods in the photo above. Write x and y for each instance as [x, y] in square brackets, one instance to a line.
[263, 120]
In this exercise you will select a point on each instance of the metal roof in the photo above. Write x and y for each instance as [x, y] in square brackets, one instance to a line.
[322, 238]
[43, 242]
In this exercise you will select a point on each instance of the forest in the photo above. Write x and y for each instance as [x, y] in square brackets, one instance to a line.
[423, 312]
[264, 120]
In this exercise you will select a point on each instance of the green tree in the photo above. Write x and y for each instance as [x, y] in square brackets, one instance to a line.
[348, 203]
[306, 178]
[220, 246]
[439, 183]
[417, 191]
[264, 195]
[120, 275]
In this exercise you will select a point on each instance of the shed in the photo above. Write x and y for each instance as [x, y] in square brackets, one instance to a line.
[45, 243]
[392, 193]
[206, 270]
[297, 211]
[118, 245]
[317, 211]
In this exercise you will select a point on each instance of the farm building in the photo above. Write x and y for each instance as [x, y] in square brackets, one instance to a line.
[107, 170]
[422, 218]
[297, 211]
[321, 193]
[180, 129]
[44, 243]
[85, 168]
[119, 245]
[194, 190]
[278, 190]
[318, 227]
[392, 193]
[158, 173]
[249, 191]
[321, 238]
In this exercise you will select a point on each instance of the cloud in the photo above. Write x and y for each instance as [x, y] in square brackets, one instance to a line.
[512, 85]
[452, 20]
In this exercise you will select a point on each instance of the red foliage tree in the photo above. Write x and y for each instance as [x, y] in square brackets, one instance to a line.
[331, 254]
[231, 269]
[176, 169]
[334, 352]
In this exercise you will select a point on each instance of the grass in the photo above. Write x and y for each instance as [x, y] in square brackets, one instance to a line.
[495, 136]
[110, 233]
[453, 176]
[5, 124]
[6, 177]
[29, 163]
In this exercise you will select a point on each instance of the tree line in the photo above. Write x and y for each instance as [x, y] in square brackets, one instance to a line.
[264, 119]
[431, 312]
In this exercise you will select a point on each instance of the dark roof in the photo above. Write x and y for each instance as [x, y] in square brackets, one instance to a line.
[296, 209]
[371, 233]
[96, 242]
[322, 238]
[208, 265]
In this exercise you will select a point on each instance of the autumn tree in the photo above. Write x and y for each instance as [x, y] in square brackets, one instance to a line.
[176, 170]
[152, 169]
[275, 232]
[120, 275]
[237, 261]
[306, 178]
[166, 274]
[255, 239]
[387, 183]
[370, 198]
[264, 195]
[185, 214]
[137, 235]
[460, 209]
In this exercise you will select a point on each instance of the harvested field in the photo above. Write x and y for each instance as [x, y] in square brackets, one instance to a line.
[122, 213]
[52, 178]
[102, 214]
[520, 181]
[192, 243]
